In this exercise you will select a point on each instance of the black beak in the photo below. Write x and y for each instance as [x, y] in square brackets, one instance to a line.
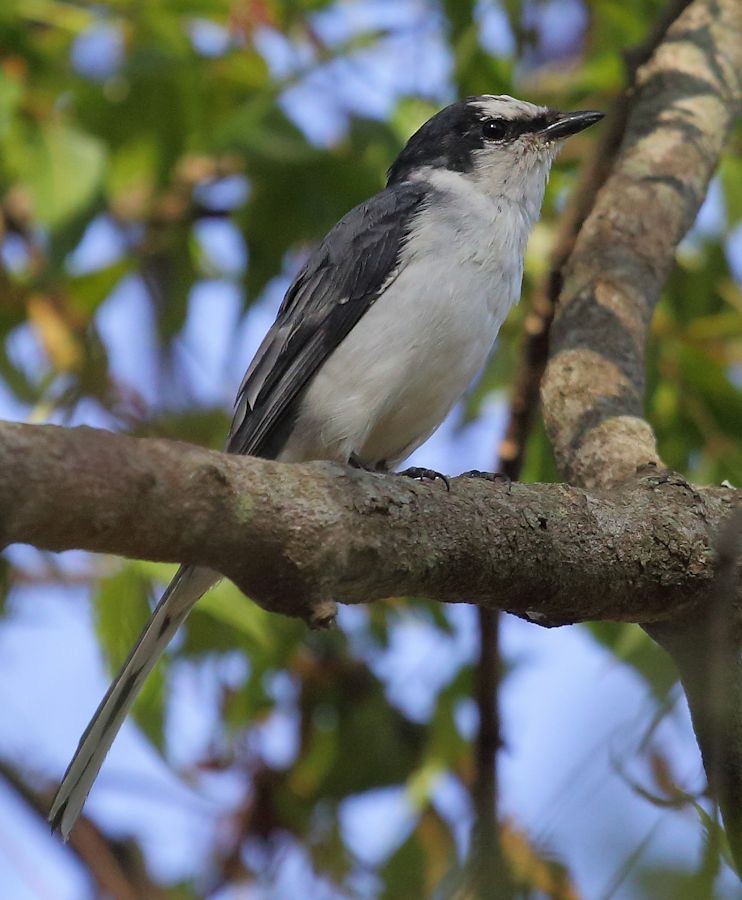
[567, 124]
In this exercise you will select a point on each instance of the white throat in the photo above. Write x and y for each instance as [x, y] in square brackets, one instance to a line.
[493, 212]
[519, 178]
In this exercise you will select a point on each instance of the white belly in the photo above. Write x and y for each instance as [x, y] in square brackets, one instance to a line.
[395, 377]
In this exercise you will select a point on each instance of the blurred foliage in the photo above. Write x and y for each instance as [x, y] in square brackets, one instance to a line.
[135, 116]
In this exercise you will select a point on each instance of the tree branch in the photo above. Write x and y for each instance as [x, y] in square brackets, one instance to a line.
[296, 538]
[687, 97]
[523, 406]
[535, 347]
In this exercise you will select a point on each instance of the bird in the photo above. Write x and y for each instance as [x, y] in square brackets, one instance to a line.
[378, 336]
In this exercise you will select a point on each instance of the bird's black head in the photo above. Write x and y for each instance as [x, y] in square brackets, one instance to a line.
[460, 135]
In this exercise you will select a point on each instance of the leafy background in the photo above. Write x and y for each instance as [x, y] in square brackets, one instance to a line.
[164, 168]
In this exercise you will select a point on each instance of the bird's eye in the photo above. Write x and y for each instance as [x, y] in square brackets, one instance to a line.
[495, 129]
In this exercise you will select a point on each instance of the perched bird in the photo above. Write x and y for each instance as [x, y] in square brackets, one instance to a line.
[378, 336]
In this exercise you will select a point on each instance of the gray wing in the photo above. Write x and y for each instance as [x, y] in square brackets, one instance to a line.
[339, 282]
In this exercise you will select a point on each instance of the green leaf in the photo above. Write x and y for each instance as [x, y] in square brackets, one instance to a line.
[228, 605]
[730, 173]
[10, 97]
[132, 174]
[169, 271]
[62, 168]
[88, 291]
[121, 609]
[298, 192]
[632, 646]
[716, 835]
[404, 874]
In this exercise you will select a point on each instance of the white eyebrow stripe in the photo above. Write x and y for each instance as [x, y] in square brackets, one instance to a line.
[506, 107]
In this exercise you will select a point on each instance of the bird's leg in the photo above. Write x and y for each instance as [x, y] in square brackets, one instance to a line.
[489, 476]
[421, 474]
[355, 462]
[381, 468]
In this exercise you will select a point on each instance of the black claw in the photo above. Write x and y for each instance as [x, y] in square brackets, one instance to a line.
[421, 474]
[490, 476]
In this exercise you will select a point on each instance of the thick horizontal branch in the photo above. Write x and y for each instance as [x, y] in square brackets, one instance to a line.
[296, 538]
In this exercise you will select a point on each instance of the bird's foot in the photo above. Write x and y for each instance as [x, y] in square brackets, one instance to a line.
[422, 474]
[355, 462]
[495, 477]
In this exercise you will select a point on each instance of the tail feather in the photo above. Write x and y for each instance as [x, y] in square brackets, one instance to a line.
[182, 593]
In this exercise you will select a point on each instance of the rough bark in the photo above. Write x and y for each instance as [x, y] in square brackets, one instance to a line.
[524, 402]
[537, 326]
[688, 95]
[296, 538]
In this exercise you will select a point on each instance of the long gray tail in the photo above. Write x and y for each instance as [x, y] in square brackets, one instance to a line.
[182, 593]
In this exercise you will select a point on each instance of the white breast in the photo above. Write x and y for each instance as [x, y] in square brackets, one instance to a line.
[395, 377]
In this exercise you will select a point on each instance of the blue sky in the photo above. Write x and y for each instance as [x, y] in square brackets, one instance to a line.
[571, 712]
